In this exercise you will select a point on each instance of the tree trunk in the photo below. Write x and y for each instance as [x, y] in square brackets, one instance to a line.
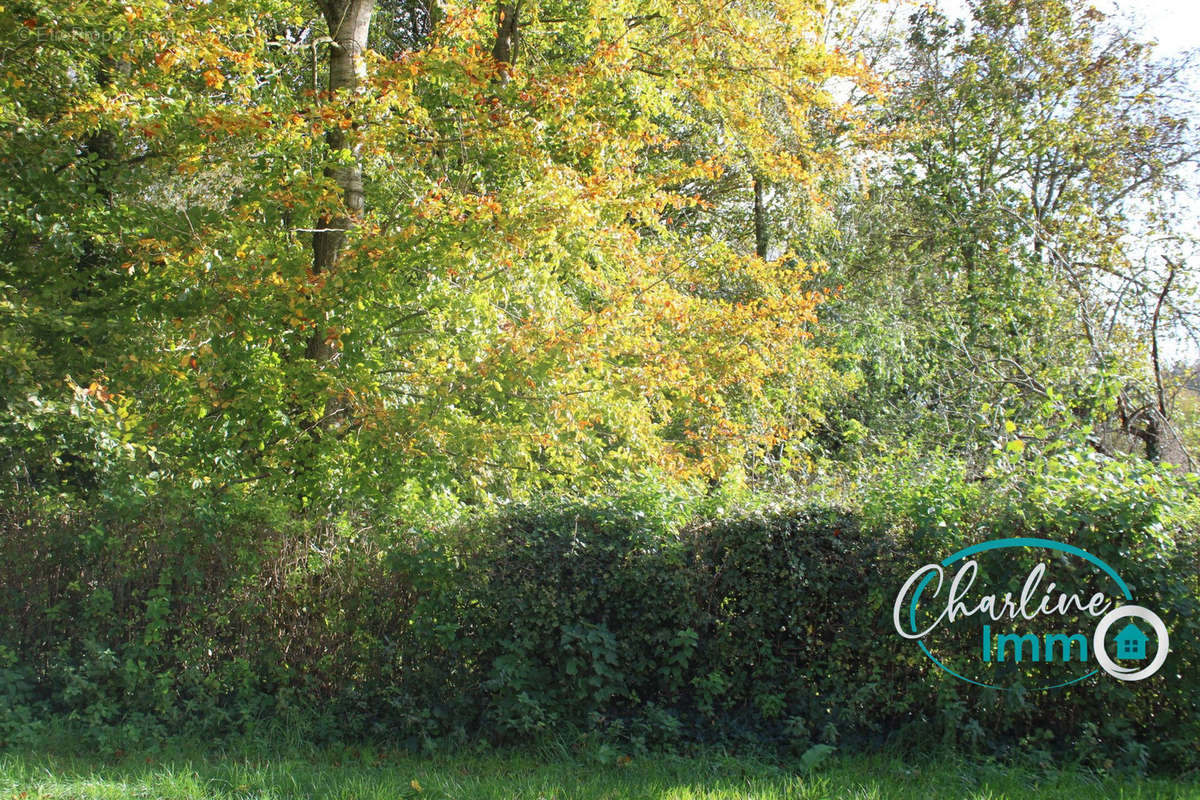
[968, 263]
[349, 24]
[504, 50]
[761, 242]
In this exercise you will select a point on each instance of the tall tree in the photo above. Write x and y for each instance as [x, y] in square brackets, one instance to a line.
[457, 265]
[994, 253]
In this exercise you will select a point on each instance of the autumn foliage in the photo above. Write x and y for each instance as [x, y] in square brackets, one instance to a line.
[516, 305]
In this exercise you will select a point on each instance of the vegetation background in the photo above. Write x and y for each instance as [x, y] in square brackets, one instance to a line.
[453, 372]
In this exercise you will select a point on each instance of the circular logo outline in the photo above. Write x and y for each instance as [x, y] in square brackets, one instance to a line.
[1128, 673]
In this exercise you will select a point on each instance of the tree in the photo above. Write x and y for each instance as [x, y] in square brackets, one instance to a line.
[341, 273]
[994, 253]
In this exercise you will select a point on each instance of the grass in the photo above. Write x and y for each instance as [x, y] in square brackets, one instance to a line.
[369, 774]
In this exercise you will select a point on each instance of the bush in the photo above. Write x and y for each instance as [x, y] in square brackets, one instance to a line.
[137, 622]
[774, 627]
[623, 620]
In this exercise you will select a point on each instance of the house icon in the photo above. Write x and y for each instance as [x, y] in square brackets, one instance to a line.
[1131, 642]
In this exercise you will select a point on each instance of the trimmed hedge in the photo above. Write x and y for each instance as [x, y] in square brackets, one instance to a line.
[774, 629]
[769, 629]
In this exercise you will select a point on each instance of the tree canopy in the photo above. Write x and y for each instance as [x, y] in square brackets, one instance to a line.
[364, 248]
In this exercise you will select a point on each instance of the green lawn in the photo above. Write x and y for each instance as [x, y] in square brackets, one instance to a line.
[373, 775]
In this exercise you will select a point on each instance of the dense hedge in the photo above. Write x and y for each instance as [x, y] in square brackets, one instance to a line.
[774, 628]
[604, 620]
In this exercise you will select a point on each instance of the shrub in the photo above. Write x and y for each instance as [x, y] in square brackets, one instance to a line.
[135, 623]
[564, 614]
[621, 619]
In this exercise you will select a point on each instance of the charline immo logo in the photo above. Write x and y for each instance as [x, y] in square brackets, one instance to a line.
[1029, 612]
